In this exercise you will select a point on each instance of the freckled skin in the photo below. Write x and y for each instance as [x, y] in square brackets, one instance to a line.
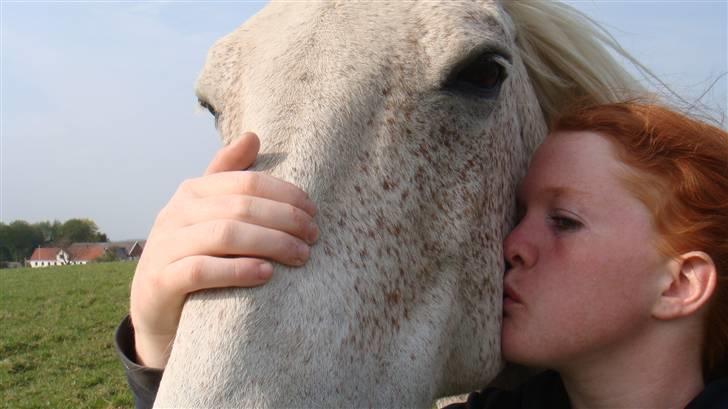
[568, 281]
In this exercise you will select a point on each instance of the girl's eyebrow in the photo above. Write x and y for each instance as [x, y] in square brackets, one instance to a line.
[552, 192]
[558, 191]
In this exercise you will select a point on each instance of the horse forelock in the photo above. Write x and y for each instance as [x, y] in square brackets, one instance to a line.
[568, 57]
[400, 301]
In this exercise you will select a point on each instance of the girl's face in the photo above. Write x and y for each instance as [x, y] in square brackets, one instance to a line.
[583, 261]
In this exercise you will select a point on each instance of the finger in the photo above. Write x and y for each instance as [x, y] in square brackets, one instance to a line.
[240, 154]
[202, 272]
[233, 238]
[250, 184]
[249, 209]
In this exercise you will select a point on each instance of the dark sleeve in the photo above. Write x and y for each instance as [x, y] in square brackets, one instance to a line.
[714, 396]
[143, 381]
[545, 390]
[488, 398]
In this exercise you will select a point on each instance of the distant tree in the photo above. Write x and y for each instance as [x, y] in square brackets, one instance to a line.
[5, 254]
[19, 238]
[80, 230]
[22, 238]
[5, 245]
[51, 230]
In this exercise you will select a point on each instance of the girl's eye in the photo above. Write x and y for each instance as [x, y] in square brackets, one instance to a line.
[564, 224]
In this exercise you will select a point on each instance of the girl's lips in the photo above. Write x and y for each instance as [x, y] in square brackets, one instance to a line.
[510, 293]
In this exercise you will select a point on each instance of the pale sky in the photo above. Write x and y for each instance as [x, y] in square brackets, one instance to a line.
[99, 119]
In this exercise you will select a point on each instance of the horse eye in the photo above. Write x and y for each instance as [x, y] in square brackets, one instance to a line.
[207, 106]
[482, 76]
[484, 73]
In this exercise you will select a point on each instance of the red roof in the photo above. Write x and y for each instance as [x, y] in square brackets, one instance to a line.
[44, 253]
[86, 251]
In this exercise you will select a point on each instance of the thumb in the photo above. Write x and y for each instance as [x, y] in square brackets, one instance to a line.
[239, 155]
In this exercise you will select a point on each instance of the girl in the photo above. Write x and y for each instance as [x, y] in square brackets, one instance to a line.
[618, 267]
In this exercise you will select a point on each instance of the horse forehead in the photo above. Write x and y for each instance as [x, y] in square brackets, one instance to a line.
[364, 35]
[387, 27]
[398, 14]
[390, 23]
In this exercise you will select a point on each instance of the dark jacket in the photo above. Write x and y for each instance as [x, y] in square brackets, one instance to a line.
[541, 391]
[547, 391]
[143, 381]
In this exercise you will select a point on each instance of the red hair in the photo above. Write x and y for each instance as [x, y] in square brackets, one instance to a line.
[681, 175]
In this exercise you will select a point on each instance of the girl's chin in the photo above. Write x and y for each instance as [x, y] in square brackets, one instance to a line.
[514, 351]
[525, 355]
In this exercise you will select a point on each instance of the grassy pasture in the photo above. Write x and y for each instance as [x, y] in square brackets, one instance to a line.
[56, 336]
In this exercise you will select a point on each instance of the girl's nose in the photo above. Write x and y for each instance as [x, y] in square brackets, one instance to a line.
[519, 249]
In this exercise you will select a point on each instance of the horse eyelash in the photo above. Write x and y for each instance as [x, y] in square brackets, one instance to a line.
[504, 62]
[206, 105]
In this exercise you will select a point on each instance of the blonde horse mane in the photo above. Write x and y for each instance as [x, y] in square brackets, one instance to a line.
[567, 56]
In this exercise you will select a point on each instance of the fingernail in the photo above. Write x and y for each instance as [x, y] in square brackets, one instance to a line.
[302, 253]
[237, 141]
[265, 270]
[309, 207]
[313, 232]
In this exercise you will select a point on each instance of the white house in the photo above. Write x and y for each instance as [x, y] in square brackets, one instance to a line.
[48, 256]
[82, 253]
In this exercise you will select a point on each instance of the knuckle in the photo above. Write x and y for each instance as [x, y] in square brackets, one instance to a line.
[195, 269]
[167, 213]
[292, 213]
[185, 187]
[243, 207]
[222, 231]
[162, 216]
[194, 272]
[250, 182]
[157, 282]
[169, 279]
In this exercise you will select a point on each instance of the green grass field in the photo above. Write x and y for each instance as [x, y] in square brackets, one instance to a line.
[56, 336]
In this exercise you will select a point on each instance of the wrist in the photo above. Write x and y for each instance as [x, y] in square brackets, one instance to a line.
[152, 350]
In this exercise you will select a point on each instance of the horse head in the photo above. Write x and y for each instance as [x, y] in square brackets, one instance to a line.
[410, 125]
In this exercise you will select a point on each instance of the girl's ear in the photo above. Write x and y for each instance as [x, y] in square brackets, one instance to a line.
[687, 287]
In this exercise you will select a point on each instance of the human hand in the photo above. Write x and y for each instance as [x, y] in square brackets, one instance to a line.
[216, 231]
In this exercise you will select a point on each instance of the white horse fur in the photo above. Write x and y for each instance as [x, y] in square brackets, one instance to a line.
[400, 302]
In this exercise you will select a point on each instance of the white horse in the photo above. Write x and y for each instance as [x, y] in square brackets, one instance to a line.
[409, 124]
